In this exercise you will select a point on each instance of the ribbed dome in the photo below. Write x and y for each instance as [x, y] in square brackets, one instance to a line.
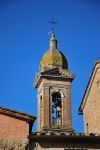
[53, 57]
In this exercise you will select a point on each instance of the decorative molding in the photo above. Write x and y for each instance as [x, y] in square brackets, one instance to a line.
[45, 85]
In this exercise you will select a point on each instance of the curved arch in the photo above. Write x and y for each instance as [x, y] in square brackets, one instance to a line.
[56, 108]
[62, 95]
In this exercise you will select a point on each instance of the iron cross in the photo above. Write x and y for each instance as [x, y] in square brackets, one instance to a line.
[53, 22]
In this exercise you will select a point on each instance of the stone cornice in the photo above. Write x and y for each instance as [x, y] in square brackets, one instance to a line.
[55, 74]
[63, 138]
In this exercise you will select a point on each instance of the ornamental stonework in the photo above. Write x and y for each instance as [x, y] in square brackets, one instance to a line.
[14, 144]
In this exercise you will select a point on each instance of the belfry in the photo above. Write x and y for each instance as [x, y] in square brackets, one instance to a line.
[53, 82]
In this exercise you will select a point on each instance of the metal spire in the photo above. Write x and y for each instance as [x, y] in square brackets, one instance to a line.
[52, 22]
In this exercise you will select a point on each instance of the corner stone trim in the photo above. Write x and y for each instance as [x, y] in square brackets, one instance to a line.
[14, 144]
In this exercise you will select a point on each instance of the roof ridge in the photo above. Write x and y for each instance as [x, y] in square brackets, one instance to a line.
[16, 114]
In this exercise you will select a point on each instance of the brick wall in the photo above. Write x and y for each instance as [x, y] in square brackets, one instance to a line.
[13, 128]
[92, 106]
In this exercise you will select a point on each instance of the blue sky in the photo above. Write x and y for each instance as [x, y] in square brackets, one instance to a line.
[24, 39]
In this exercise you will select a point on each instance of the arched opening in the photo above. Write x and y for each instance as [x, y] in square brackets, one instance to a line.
[40, 113]
[40, 97]
[56, 109]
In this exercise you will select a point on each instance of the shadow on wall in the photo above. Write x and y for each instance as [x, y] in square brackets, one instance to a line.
[62, 145]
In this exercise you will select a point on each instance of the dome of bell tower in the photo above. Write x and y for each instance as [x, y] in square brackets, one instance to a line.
[53, 57]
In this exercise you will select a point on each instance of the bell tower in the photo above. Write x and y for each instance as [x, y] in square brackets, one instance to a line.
[53, 82]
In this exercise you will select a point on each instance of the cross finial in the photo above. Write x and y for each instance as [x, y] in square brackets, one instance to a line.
[53, 22]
